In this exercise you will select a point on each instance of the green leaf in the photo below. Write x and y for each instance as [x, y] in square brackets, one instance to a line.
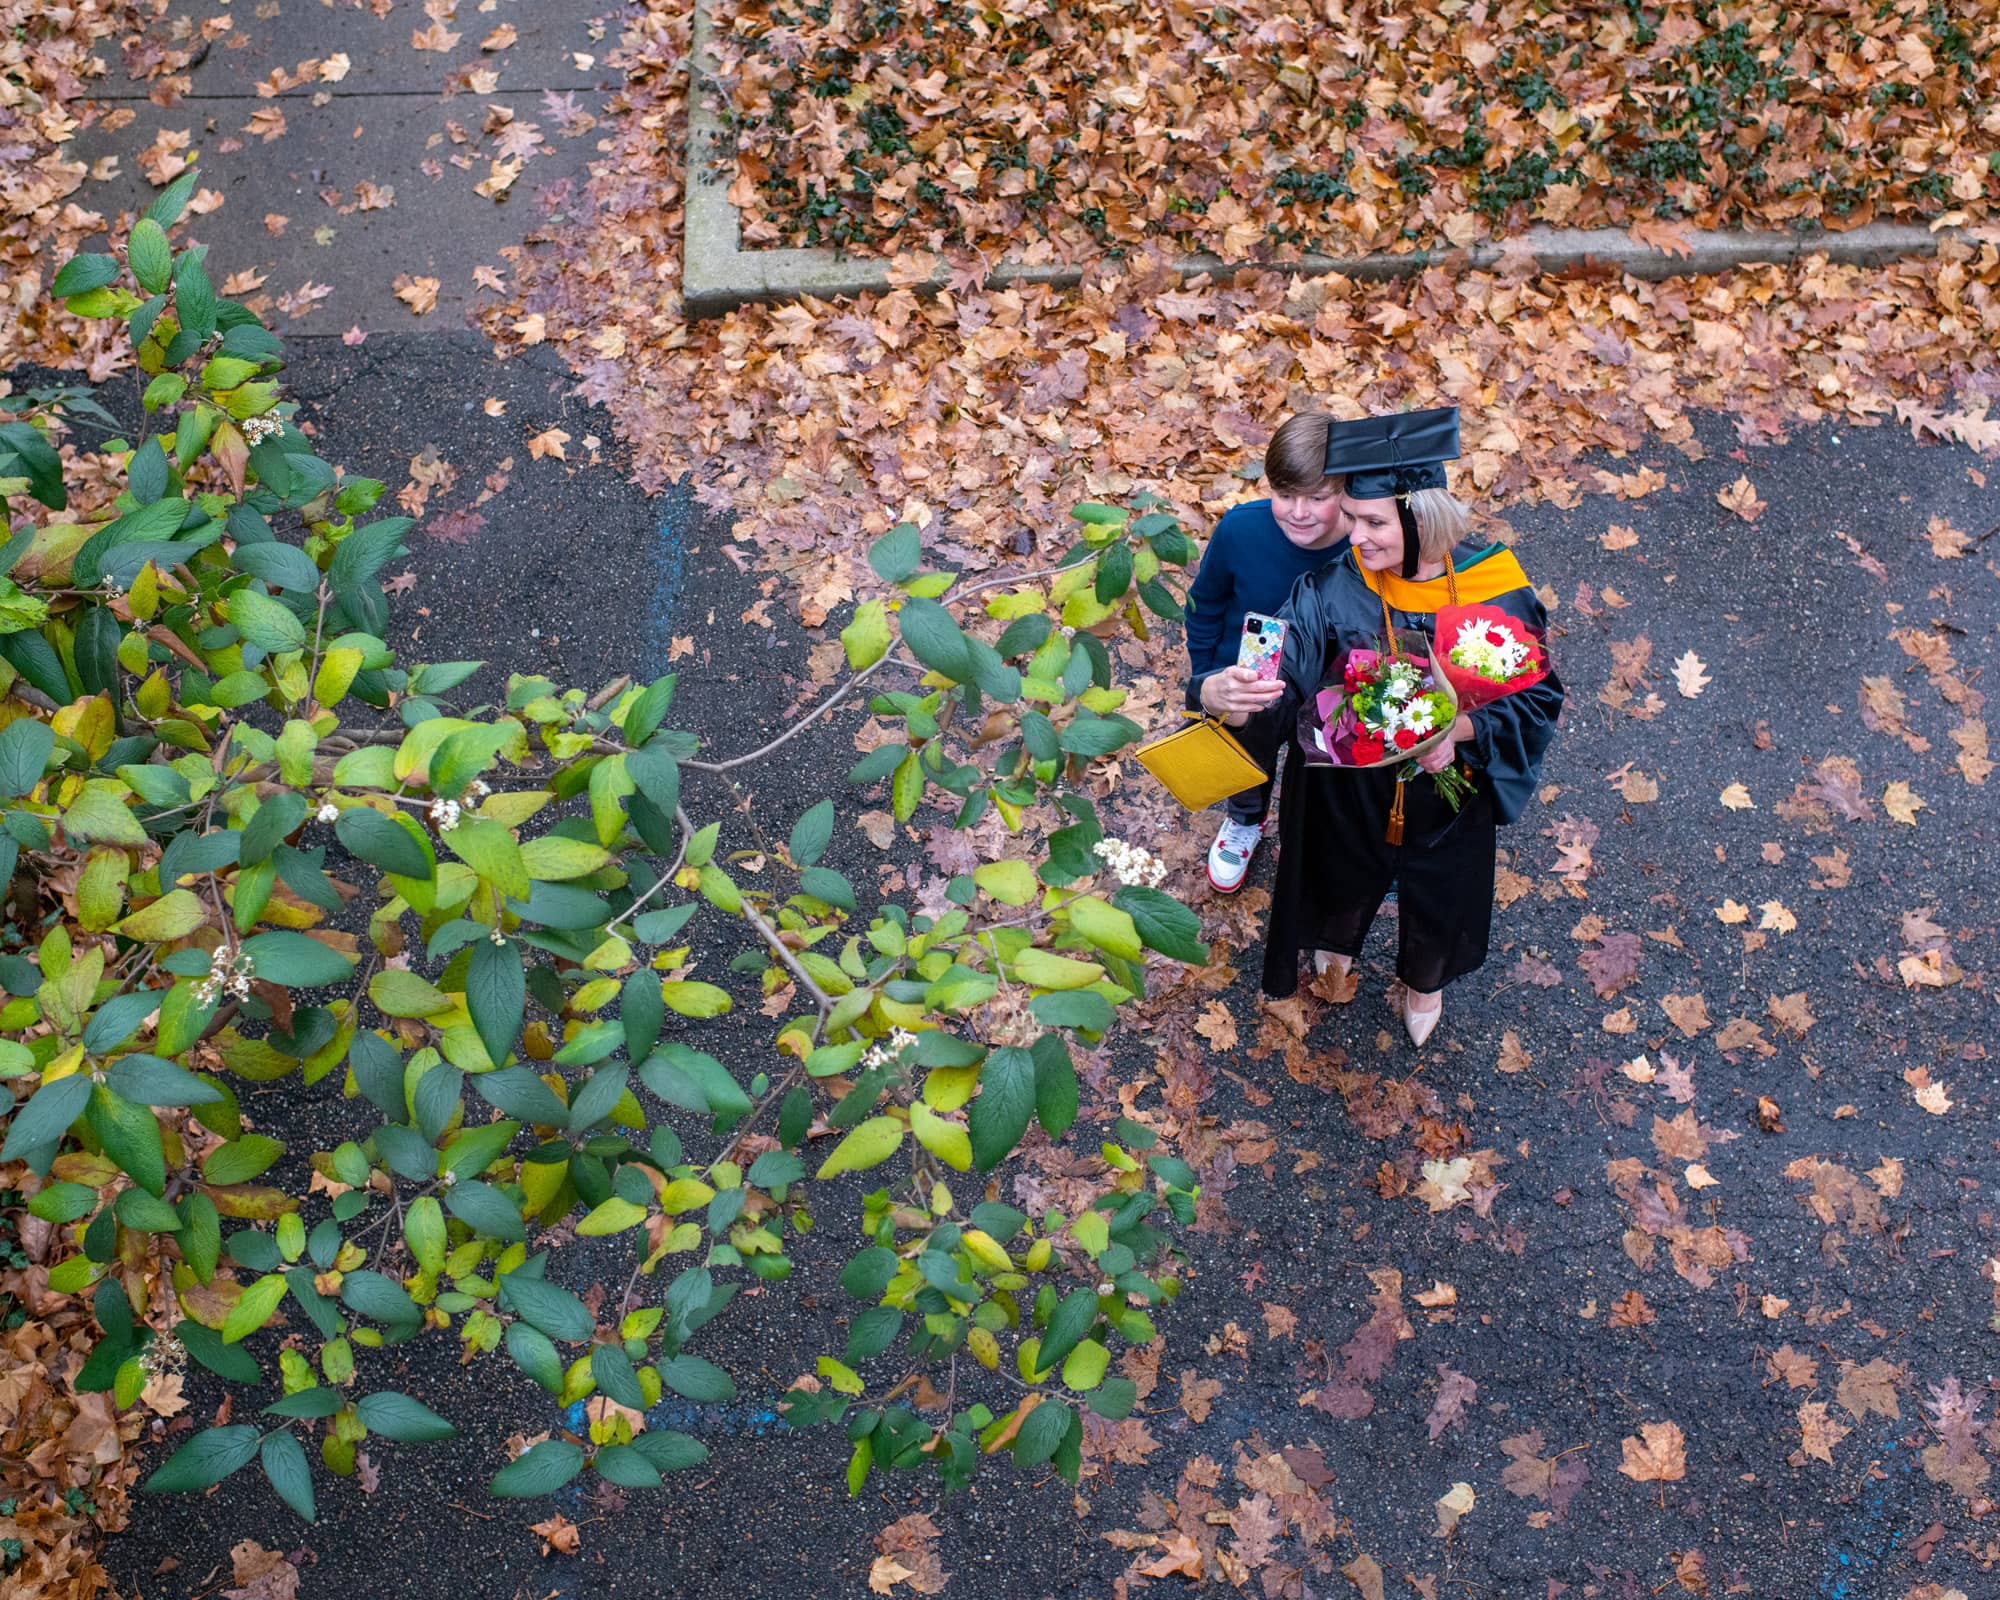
[241, 1159]
[285, 1465]
[1073, 1319]
[614, 1215]
[823, 883]
[1082, 1009]
[670, 1451]
[520, 1092]
[379, 1298]
[24, 452]
[131, 1137]
[1114, 573]
[25, 747]
[266, 623]
[1055, 1085]
[535, 1356]
[692, 1378]
[998, 1117]
[869, 1145]
[894, 556]
[868, 1274]
[866, 639]
[170, 201]
[1098, 736]
[485, 1210]
[553, 1309]
[935, 639]
[204, 1460]
[812, 833]
[1042, 1433]
[206, 1346]
[296, 960]
[397, 1416]
[496, 993]
[643, 717]
[82, 273]
[540, 1469]
[491, 851]
[658, 776]
[381, 842]
[39, 1124]
[612, 1370]
[142, 1213]
[1164, 924]
[556, 859]
[623, 1465]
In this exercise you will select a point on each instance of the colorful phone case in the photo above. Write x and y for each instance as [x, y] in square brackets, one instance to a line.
[1263, 645]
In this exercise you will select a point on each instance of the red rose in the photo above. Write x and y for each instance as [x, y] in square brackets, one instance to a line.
[1405, 738]
[1495, 637]
[1367, 749]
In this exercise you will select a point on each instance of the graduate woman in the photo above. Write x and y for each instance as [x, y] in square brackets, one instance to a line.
[1407, 558]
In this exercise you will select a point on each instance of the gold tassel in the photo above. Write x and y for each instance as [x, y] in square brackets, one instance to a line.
[1394, 833]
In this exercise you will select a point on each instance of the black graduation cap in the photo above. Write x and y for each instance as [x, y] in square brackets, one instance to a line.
[1389, 456]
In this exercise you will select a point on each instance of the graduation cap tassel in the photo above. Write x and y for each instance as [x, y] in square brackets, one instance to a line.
[1393, 834]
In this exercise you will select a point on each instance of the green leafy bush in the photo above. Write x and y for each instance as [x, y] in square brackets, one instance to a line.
[247, 843]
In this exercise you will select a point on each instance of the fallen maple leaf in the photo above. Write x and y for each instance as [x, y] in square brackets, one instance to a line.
[1737, 798]
[1181, 1557]
[1514, 1056]
[1819, 1431]
[1658, 234]
[549, 442]
[500, 38]
[1618, 537]
[1775, 918]
[1690, 675]
[559, 1535]
[1730, 914]
[1280, 1322]
[1929, 1095]
[1217, 1026]
[335, 67]
[1198, 1394]
[1902, 803]
[1453, 1507]
[1455, 1392]
[1741, 498]
[1870, 1388]
[1365, 1573]
[436, 37]
[419, 294]
[261, 1574]
[1658, 1455]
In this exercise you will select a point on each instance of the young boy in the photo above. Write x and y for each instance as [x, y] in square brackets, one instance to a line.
[1257, 552]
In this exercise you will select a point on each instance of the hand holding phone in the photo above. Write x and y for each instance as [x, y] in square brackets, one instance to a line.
[1263, 647]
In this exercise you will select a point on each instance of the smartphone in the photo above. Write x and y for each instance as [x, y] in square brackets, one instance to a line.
[1263, 646]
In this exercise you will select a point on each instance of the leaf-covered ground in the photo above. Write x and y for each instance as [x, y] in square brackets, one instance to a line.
[1258, 129]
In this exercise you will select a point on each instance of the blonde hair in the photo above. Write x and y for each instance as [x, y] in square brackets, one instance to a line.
[1443, 522]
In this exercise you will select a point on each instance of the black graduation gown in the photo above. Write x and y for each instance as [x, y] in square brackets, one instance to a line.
[1334, 864]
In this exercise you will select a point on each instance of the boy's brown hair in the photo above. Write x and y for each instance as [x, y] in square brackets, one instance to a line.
[1295, 459]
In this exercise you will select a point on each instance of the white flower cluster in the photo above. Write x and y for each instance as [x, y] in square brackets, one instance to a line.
[477, 790]
[328, 812]
[886, 1050]
[230, 972]
[445, 814]
[1129, 864]
[258, 429]
[164, 1357]
[1491, 650]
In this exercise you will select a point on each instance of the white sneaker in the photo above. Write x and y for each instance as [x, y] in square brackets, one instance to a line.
[1229, 857]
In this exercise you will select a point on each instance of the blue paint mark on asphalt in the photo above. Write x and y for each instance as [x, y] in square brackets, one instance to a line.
[1866, 1539]
[669, 577]
[751, 1417]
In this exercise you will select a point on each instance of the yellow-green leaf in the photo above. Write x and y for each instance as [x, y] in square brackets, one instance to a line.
[869, 1145]
[843, 1377]
[553, 859]
[1010, 882]
[404, 994]
[1085, 1366]
[692, 999]
[1105, 926]
[172, 916]
[946, 1140]
[1047, 970]
[866, 638]
[614, 1216]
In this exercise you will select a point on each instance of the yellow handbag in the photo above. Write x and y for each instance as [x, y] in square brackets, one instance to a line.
[1201, 763]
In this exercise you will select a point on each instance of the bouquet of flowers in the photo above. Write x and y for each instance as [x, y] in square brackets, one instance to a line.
[1388, 709]
[1486, 655]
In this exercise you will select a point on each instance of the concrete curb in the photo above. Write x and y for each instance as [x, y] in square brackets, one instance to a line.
[718, 274]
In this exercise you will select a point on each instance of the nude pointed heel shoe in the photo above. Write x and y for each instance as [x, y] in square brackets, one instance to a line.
[1325, 961]
[1420, 1024]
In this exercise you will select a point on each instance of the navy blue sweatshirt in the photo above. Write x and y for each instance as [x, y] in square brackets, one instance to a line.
[1249, 565]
